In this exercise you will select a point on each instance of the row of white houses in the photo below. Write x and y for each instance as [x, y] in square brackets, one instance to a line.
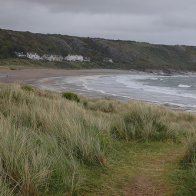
[59, 58]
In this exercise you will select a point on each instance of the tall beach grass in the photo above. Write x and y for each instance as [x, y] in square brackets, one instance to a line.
[46, 140]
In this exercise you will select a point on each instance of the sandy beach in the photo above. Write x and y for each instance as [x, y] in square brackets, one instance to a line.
[23, 76]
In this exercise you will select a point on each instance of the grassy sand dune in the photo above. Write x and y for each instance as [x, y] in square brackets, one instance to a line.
[61, 144]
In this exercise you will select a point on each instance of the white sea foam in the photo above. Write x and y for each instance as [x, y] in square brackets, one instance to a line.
[183, 86]
[154, 78]
[131, 86]
[134, 82]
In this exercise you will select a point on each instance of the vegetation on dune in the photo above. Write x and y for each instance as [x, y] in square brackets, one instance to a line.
[143, 124]
[71, 96]
[56, 146]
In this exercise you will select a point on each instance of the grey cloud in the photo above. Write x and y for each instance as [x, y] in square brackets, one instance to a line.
[113, 6]
[179, 21]
[156, 21]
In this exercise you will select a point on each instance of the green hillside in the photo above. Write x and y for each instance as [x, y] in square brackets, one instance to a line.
[125, 54]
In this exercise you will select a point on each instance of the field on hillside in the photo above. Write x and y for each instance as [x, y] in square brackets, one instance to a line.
[62, 144]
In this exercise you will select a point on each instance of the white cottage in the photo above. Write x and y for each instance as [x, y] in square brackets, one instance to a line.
[87, 59]
[52, 57]
[33, 56]
[74, 58]
[20, 54]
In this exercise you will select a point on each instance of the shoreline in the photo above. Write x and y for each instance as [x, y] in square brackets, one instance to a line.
[24, 75]
[31, 75]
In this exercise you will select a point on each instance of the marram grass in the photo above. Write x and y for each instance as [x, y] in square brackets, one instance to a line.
[47, 142]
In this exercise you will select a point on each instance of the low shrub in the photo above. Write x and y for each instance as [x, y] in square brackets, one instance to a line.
[104, 105]
[71, 96]
[27, 88]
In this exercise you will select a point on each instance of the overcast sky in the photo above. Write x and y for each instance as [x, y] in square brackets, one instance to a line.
[154, 21]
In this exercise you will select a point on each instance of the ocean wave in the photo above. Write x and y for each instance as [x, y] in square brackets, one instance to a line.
[131, 86]
[154, 78]
[134, 82]
[184, 86]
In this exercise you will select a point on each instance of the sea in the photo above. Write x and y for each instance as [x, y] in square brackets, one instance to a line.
[178, 90]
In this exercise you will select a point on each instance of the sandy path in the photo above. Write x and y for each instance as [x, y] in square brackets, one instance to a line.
[150, 180]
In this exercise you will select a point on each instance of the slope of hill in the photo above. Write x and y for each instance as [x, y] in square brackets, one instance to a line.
[125, 54]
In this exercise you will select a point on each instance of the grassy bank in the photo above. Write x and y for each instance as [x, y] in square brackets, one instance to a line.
[16, 63]
[53, 144]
